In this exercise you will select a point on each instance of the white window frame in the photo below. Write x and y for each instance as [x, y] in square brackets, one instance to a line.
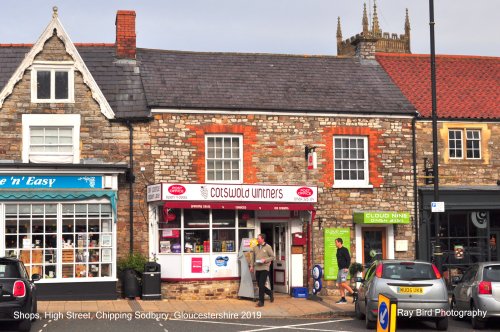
[466, 140]
[240, 138]
[353, 183]
[51, 120]
[53, 67]
[461, 131]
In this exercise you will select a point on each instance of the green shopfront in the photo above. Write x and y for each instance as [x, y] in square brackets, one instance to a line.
[376, 235]
[63, 228]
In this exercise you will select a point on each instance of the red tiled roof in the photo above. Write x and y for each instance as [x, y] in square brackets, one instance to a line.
[466, 86]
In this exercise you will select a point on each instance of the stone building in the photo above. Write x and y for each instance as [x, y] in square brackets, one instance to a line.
[229, 125]
[185, 156]
[68, 114]
[468, 112]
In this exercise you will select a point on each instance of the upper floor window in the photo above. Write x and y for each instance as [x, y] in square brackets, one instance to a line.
[224, 161]
[351, 161]
[51, 138]
[472, 143]
[52, 84]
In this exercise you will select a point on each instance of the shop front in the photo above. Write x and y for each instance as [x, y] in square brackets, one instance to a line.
[196, 231]
[468, 228]
[63, 228]
[374, 230]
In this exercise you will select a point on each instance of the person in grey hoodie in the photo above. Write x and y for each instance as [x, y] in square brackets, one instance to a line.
[263, 256]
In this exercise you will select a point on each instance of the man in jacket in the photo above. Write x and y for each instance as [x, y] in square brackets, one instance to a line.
[263, 256]
[343, 262]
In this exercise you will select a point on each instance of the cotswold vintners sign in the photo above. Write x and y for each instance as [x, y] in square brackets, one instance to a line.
[247, 193]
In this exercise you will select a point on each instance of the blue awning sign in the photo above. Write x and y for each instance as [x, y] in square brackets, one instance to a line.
[50, 182]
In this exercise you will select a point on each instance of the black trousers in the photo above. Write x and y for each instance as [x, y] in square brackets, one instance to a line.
[261, 277]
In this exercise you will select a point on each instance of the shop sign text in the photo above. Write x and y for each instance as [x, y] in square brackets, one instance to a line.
[50, 182]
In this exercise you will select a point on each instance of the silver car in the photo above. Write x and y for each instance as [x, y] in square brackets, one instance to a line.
[478, 292]
[418, 287]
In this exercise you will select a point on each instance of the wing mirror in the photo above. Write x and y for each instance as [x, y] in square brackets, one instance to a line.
[456, 280]
[35, 277]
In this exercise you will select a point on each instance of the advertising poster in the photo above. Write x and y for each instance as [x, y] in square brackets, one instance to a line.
[330, 267]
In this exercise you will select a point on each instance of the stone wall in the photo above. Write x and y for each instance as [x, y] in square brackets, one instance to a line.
[200, 290]
[99, 138]
[276, 156]
[470, 172]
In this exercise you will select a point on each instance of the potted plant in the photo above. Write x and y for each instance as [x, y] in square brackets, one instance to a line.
[130, 269]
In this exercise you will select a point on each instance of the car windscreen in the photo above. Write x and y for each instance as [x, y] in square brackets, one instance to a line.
[408, 271]
[9, 270]
[491, 273]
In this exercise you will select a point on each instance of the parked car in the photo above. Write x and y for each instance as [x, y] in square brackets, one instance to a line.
[418, 287]
[479, 288]
[17, 293]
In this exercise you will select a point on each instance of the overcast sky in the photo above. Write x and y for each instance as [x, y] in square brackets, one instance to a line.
[259, 26]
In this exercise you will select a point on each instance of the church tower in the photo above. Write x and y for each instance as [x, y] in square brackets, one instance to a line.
[374, 36]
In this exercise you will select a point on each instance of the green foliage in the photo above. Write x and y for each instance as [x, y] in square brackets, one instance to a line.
[355, 268]
[135, 261]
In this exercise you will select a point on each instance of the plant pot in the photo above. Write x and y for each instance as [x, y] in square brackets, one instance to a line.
[131, 284]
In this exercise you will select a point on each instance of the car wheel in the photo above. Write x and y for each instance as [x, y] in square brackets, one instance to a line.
[442, 324]
[34, 310]
[24, 325]
[369, 324]
[357, 310]
[477, 323]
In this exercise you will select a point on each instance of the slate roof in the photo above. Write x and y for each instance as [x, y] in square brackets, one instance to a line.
[467, 87]
[119, 81]
[232, 81]
[176, 79]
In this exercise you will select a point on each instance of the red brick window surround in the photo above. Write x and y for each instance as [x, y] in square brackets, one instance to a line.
[374, 141]
[248, 136]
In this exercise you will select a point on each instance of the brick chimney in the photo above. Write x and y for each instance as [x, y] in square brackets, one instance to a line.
[125, 34]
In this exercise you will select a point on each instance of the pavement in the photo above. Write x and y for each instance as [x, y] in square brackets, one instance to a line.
[284, 306]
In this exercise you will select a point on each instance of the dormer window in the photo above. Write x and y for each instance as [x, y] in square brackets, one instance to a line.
[52, 83]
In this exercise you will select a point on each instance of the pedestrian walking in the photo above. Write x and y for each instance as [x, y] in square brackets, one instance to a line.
[343, 262]
[263, 256]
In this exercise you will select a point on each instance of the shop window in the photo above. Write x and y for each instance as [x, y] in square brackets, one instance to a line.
[224, 158]
[51, 138]
[52, 84]
[350, 161]
[83, 247]
[197, 231]
[472, 143]
[170, 231]
[204, 231]
[224, 232]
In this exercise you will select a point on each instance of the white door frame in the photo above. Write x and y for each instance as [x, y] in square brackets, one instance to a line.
[359, 240]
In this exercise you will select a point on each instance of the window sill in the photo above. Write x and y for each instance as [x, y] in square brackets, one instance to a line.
[352, 186]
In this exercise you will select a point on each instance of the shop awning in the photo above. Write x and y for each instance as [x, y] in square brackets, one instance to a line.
[239, 206]
[61, 195]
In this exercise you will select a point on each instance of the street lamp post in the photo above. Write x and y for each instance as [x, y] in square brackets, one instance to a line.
[437, 250]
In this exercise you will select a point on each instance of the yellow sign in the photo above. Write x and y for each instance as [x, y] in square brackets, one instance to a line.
[387, 311]
[410, 290]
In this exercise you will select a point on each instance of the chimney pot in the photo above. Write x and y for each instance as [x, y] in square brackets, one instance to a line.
[125, 34]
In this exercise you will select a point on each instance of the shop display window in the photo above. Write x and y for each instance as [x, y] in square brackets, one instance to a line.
[203, 231]
[61, 240]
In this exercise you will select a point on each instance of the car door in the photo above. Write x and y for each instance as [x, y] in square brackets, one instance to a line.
[463, 289]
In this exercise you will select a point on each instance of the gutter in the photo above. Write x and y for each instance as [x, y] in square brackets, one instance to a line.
[415, 188]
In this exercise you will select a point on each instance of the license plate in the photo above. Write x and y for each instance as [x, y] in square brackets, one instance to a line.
[410, 290]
